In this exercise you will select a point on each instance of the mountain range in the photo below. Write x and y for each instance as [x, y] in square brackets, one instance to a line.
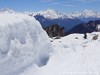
[66, 20]
[26, 49]
[91, 26]
[70, 21]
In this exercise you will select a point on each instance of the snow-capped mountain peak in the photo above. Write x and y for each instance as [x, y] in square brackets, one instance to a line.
[49, 11]
[7, 10]
[86, 13]
[52, 14]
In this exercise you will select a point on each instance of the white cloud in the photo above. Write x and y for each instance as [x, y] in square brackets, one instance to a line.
[56, 3]
[89, 0]
[46, 0]
[68, 5]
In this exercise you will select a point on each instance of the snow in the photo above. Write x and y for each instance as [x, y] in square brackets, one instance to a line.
[72, 56]
[25, 49]
[7, 10]
[85, 14]
[98, 27]
[23, 43]
[52, 14]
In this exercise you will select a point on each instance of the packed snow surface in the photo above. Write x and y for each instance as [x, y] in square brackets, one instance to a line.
[23, 43]
[73, 55]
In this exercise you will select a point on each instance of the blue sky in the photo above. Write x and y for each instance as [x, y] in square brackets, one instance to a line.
[59, 5]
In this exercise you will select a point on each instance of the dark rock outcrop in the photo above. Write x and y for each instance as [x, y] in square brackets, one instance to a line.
[95, 37]
[85, 36]
[55, 30]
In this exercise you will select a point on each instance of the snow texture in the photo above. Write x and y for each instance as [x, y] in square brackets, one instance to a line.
[25, 49]
[23, 43]
[73, 55]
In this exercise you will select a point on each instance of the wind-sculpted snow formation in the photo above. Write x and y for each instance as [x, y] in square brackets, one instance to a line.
[23, 43]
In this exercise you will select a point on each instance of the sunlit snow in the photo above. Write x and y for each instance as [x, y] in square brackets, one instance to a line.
[23, 43]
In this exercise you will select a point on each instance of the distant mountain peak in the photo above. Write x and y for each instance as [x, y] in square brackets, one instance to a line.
[87, 10]
[50, 13]
[86, 13]
[7, 10]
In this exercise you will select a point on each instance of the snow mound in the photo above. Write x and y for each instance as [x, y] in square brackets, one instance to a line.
[23, 42]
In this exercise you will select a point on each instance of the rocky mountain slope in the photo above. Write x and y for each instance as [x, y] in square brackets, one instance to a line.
[91, 26]
[66, 20]
[51, 17]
